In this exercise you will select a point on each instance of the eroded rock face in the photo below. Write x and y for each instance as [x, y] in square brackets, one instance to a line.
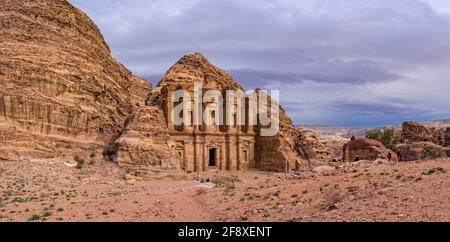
[366, 149]
[334, 143]
[61, 89]
[438, 136]
[291, 149]
[421, 151]
[415, 132]
[278, 153]
[310, 148]
[146, 141]
[418, 142]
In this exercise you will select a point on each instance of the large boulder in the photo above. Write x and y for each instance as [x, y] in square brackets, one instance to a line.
[366, 149]
[421, 151]
[62, 91]
[415, 132]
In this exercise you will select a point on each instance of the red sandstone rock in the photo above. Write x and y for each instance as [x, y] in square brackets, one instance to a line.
[415, 132]
[421, 151]
[366, 149]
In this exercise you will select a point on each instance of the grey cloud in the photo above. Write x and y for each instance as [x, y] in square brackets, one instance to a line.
[363, 114]
[399, 30]
[356, 73]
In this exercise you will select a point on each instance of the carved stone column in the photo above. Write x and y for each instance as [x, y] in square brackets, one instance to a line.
[223, 157]
[251, 154]
[169, 107]
[205, 157]
[198, 154]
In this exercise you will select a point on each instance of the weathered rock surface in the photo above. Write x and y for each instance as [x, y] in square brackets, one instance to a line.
[291, 149]
[279, 153]
[421, 151]
[415, 132]
[196, 68]
[417, 142]
[310, 147]
[146, 141]
[366, 149]
[61, 89]
[438, 136]
[335, 144]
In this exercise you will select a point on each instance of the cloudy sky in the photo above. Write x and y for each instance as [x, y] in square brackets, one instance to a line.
[335, 62]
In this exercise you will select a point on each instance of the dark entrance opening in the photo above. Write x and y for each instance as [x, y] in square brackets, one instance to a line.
[212, 157]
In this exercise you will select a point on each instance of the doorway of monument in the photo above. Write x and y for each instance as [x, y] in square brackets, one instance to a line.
[213, 157]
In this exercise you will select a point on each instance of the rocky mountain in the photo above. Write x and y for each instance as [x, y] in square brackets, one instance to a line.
[196, 68]
[61, 88]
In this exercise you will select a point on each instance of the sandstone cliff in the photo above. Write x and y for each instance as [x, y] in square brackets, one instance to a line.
[61, 89]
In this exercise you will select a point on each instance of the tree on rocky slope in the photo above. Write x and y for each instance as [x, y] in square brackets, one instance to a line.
[385, 136]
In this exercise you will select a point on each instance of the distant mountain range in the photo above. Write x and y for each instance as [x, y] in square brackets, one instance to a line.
[347, 132]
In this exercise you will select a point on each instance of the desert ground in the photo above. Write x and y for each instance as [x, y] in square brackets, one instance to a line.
[50, 190]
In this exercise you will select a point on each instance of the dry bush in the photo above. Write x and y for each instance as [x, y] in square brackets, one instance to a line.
[201, 191]
[225, 181]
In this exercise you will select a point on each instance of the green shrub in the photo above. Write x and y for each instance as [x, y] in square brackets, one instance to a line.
[431, 153]
[35, 217]
[385, 136]
[80, 162]
[109, 152]
[436, 170]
